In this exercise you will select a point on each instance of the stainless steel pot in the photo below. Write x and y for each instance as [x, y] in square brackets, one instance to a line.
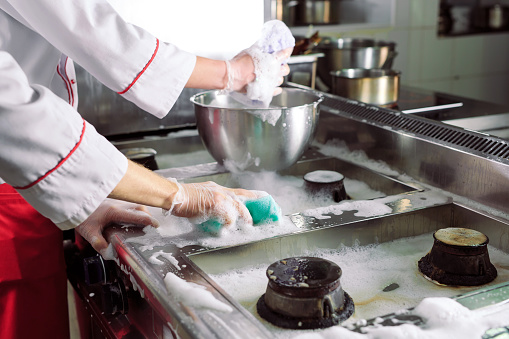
[353, 53]
[373, 86]
[238, 135]
[317, 12]
[307, 12]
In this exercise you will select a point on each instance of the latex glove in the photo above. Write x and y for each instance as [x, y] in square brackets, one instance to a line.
[241, 70]
[112, 211]
[204, 201]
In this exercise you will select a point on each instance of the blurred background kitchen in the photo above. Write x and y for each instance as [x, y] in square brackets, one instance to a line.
[458, 47]
[464, 60]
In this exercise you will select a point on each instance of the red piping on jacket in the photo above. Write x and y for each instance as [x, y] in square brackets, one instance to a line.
[143, 70]
[59, 163]
[68, 85]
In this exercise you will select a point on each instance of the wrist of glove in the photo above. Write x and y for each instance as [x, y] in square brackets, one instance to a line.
[204, 201]
[112, 211]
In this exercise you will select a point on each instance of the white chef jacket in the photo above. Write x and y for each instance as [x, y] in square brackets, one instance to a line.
[56, 160]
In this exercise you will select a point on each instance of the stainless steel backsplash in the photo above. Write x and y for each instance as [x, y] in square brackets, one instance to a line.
[113, 115]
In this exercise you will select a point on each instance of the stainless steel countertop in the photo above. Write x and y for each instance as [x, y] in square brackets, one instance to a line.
[473, 114]
[473, 187]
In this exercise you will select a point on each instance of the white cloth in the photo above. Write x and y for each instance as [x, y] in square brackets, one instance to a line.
[58, 162]
[275, 37]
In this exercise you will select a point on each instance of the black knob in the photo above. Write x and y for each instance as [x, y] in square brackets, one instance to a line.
[95, 270]
[114, 298]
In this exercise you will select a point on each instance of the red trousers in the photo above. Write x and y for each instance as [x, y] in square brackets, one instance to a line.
[33, 283]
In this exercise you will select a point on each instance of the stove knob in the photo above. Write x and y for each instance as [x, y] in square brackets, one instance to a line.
[94, 269]
[114, 298]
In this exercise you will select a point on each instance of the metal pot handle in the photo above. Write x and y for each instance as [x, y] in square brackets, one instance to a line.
[390, 58]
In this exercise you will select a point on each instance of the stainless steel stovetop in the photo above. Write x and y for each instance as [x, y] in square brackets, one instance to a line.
[439, 176]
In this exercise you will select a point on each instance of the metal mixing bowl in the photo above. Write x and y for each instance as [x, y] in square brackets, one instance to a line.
[237, 135]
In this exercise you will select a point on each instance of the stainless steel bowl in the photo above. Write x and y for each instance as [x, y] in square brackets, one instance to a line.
[237, 135]
[373, 86]
[353, 53]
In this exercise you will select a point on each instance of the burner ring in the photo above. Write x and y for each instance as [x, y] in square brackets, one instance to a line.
[459, 257]
[296, 323]
[304, 292]
[327, 184]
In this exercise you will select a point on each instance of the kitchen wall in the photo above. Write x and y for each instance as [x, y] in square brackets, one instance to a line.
[475, 66]
[216, 29]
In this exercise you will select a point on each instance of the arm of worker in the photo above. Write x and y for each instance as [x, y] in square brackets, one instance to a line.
[65, 169]
[196, 200]
[124, 57]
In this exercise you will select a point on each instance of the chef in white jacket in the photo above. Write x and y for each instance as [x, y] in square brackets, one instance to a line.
[57, 162]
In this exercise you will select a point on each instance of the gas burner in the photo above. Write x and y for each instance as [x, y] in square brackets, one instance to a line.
[326, 183]
[304, 293]
[459, 257]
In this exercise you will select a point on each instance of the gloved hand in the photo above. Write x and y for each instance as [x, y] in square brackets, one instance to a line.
[112, 211]
[241, 71]
[269, 56]
[204, 201]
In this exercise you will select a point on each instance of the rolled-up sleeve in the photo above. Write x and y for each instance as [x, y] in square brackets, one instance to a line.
[124, 57]
[55, 160]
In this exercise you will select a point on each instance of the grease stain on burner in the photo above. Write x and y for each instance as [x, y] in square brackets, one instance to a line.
[459, 257]
[304, 293]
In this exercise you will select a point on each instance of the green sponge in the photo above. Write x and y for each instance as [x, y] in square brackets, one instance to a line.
[263, 210]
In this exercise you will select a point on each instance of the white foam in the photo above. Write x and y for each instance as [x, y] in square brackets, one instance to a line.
[444, 319]
[367, 270]
[364, 208]
[288, 193]
[322, 176]
[168, 256]
[193, 295]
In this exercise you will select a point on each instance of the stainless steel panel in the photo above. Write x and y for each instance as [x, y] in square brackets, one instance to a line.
[366, 232]
[462, 162]
[113, 115]
[467, 170]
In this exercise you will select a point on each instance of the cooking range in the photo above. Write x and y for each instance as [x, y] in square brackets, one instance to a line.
[420, 178]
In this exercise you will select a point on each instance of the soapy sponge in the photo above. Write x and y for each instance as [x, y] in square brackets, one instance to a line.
[263, 210]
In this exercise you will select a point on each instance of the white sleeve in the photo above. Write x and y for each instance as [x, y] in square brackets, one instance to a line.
[55, 160]
[124, 57]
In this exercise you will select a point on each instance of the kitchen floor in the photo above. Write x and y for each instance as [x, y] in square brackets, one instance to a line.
[73, 319]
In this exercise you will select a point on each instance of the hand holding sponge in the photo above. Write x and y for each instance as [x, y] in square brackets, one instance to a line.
[263, 210]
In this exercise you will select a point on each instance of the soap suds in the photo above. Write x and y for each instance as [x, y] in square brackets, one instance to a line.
[193, 295]
[367, 270]
[154, 259]
[289, 194]
[443, 318]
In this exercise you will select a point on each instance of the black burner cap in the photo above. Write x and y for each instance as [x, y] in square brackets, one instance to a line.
[304, 293]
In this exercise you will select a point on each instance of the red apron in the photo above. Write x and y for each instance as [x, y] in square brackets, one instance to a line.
[33, 282]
